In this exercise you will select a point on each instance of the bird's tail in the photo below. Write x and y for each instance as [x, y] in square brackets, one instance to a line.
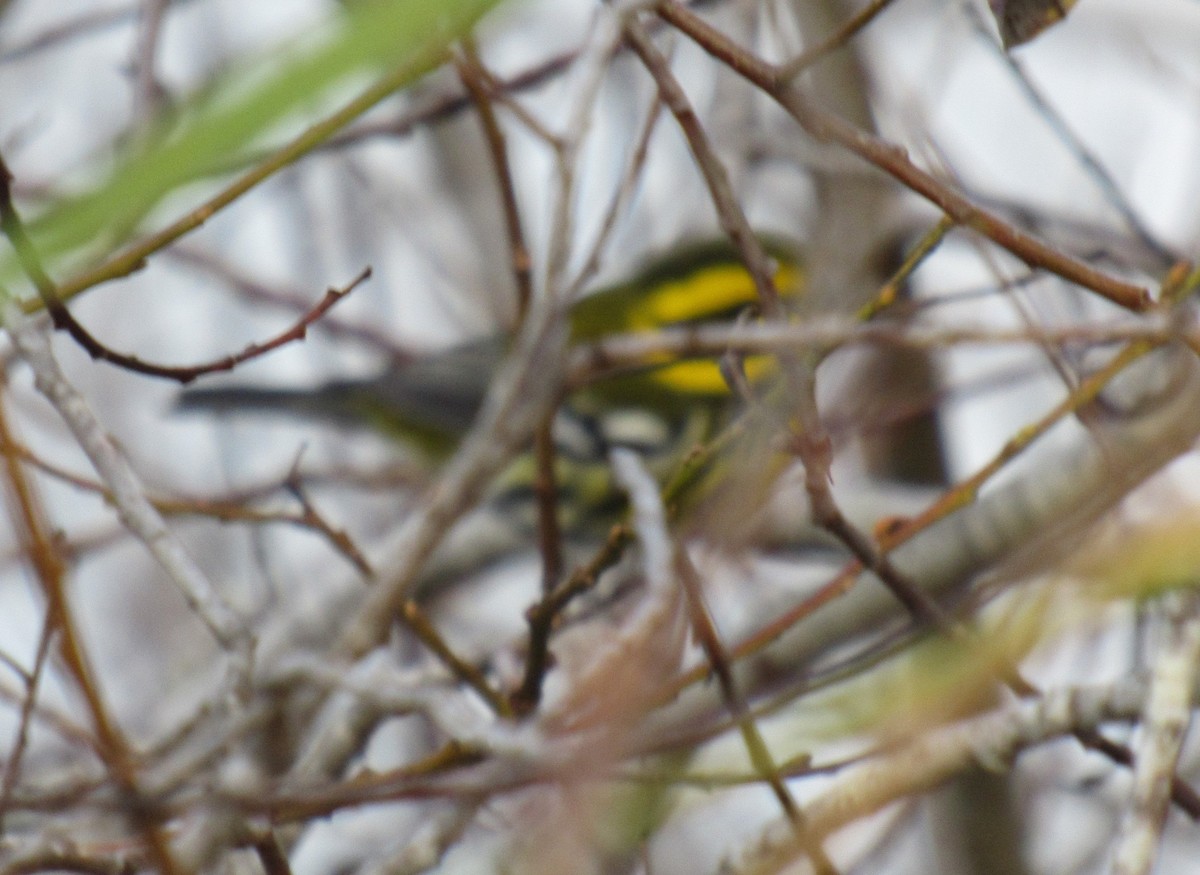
[307, 404]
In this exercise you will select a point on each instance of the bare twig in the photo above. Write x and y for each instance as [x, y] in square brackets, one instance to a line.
[990, 740]
[135, 512]
[827, 127]
[1167, 713]
[475, 78]
[148, 92]
[835, 40]
[51, 570]
[50, 294]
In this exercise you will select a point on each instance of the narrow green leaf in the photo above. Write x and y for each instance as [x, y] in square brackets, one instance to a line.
[233, 113]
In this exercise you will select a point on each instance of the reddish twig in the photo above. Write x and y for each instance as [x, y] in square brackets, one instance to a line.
[14, 229]
[312, 518]
[477, 82]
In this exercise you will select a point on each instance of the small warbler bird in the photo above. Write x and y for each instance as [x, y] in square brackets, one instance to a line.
[662, 410]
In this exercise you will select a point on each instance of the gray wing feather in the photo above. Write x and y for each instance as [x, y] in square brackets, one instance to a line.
[441, 392]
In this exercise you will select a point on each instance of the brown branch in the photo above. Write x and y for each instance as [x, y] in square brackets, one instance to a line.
[294, 334]
[705, 632]
[546, 496]
[28, 519]
[272, 855]
[31, 263]
[256, 291]
[477, 82]
[416, 620]
[542, 617]
[835, 40]
[729, 211]
[825, 126]
[312, 518]
[923, 608]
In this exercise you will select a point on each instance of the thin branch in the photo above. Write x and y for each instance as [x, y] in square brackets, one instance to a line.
[729, 211]
[630, 180]
[475, 78]
[28, 517]
[991, 741]
[1167, 713]
[827, 127]
[148, 94]
[32, 681]
[840, 37]
[416, 620]
[133, 258]
[312, 518]
[542, 617]
[259, 292]
[134, 510]
[14, 229]
[705, 632]
[1104, 181]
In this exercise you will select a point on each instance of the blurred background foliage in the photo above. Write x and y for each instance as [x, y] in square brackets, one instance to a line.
[194, 174]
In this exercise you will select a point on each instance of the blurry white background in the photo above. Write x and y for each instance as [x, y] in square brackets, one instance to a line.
[419, 209]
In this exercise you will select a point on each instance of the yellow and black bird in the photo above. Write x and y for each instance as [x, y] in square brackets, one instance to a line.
[430, 402]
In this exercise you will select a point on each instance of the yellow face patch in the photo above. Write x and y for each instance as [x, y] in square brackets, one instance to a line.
[700, 296]
[703, 376]
[720, 289]
[707, 294]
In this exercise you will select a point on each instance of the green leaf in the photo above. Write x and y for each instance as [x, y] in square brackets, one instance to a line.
[400, 40]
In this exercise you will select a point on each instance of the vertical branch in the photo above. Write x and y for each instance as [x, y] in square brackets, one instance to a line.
[1165, 718]
[148, 93]
[136, 512]
[475, 78]
[729, 212]
[705, 631]
[28, 518]
[521, 396]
